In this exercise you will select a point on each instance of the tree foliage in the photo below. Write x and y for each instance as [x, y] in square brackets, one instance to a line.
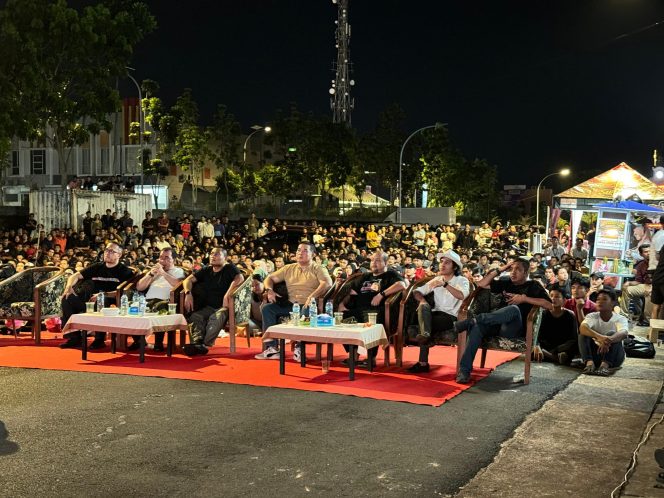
[59, 65]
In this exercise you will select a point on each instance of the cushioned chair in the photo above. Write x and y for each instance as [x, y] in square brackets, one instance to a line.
[32, 295]
[484, 301]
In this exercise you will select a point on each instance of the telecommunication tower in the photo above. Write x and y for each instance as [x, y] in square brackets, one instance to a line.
[341, 102]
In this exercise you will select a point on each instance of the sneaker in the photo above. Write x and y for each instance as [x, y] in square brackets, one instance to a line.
[297, 354]
[563, 358]
[419, 368]
[365, 364]
[71, 344]
[222, 334]
[97, 345]
[463, 378]
[270, 353]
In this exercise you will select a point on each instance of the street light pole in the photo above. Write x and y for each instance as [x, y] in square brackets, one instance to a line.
[401, 163]
[562, 172]
[256, 129]
[140, 126]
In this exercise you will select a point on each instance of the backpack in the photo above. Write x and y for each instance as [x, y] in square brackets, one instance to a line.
[638, 347]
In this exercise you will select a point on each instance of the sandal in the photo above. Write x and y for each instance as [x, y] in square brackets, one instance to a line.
[602, 372]
[589, 370]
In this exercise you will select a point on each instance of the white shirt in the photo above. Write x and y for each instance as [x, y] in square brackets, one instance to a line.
[160, 288]
[617, 323]
[443, 299]
[656, 244]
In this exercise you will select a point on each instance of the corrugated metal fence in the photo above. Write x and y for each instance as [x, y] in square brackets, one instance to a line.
[67, 209]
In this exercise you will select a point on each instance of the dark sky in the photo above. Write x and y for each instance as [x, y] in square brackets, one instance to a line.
[529, 85]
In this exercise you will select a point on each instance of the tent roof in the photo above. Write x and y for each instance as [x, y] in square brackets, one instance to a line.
[350, 196]
[629, 206]
[621, 179]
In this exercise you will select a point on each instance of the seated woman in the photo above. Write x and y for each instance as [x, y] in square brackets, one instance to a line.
[558, 339]
[601, 336]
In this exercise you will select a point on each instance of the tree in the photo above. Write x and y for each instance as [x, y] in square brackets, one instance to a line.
[224, 138]
[58, 68]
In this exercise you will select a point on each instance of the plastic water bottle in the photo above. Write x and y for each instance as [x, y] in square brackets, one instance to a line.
[313, 314]
[124, 304]
[296, 310]
[100, 301]
[329, 308]
[141, 305]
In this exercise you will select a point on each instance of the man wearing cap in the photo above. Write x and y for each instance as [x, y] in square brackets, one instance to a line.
[520, 293]
[449, 290]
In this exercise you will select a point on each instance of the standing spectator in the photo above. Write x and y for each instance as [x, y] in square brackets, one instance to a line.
[252, 225]
[162, 223]
[148, 224]
[126, 221]
[579, 252]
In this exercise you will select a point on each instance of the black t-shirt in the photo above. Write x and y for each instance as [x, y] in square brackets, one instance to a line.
[530, 288]
[556, 331]
[104, 278]
[215, 285]
[369, 285]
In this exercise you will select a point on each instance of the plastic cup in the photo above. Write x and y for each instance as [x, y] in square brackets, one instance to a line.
[172, 308]
[325, 366]
[338, 317]
[294, 318]
[372, 317]
[89, 307]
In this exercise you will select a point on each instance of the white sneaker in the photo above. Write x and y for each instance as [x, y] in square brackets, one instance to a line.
[223, 334]
[297, 356]
[270, 353]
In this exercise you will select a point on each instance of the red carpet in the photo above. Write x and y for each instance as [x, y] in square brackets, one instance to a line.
[433, 388]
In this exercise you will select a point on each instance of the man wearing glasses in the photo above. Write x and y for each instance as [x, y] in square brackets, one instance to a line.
[98, 277]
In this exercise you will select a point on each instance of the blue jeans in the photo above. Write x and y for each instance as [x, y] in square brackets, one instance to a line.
[509, 320]
[271, 313]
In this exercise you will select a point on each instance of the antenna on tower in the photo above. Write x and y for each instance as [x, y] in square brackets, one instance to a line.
[341, 102]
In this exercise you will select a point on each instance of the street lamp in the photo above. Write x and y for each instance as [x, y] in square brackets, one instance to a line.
[256, 129]
[141, 124]
[437, 125]
[562, 172]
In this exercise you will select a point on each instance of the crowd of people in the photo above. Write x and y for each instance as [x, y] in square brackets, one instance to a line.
[218, 254]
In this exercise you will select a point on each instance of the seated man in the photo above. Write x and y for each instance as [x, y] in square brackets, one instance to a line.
[579, 304]
[158, 283]
[602, 334]
[520, 294]
[218, 281]
[103, 277]
[368, 292]
[449, 290]
[558, 333]
[305, 280]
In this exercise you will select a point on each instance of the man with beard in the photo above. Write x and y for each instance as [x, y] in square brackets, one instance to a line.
[104, 277]
[369, 292]
[449, 290]
[218, 281]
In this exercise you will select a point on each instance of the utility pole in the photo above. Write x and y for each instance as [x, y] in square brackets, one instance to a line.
[341, 102]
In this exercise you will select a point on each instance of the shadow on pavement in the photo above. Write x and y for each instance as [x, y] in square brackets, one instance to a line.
[6, 447]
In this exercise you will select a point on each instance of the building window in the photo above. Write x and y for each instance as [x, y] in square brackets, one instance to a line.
[38, 162]
[16, 164]
[104, 161]
[131, 158]
[85, 161]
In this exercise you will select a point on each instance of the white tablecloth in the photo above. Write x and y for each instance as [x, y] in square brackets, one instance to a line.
[367, 337]
[127, 324]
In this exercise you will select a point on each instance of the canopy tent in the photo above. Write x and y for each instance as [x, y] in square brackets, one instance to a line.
[629, 206]
[620, 181]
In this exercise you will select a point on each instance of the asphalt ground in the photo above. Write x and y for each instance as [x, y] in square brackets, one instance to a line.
[80, 434]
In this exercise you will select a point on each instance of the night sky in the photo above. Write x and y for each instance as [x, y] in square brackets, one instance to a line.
[530, 85]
